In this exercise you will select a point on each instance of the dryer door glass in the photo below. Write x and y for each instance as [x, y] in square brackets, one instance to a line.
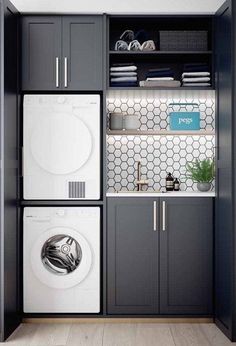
[61, 254]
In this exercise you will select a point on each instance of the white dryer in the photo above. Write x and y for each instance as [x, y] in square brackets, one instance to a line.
[61, 147]
[61, 260]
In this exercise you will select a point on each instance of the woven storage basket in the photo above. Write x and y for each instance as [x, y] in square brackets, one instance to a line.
[183, 40]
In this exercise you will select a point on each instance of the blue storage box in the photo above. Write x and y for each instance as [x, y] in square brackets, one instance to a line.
[184, 119]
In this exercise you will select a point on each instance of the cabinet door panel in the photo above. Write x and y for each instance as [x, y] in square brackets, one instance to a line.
[83, 48]
[10, 314]
[132, 256]
[224, 238]
[41, 46]
[186, 256]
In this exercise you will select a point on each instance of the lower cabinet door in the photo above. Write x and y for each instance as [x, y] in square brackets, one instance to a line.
[186, 268]
[132, 255]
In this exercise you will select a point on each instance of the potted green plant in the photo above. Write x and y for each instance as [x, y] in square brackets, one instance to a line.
[201, 172]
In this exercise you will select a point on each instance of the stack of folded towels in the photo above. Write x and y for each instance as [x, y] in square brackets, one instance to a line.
[123, 75]
[196, 75]
[162, 77]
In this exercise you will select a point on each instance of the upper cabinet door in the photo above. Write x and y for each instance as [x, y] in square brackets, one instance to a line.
[41, 53]
[82, 42]
[186, 238]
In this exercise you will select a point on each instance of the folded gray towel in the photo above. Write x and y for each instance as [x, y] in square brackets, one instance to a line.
[159, 78]
[196, 79]
[124, 79]
[164, 84]
[196, 74]
[123, 74]
[196, 84]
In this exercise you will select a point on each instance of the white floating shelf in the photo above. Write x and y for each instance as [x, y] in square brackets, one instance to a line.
[159, 133]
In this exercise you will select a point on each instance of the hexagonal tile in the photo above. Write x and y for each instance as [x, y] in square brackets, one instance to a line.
[130, 161]
[143, 111]
[124, 107]
[157, 154]
[137, 107]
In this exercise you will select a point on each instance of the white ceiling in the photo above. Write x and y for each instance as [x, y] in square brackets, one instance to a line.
[118, 6]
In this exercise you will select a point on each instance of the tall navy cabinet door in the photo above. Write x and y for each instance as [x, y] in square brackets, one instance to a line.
[9, 283]
[186, 263]
[132, 256]
[82, 56]
[41, 53]
[224, 197]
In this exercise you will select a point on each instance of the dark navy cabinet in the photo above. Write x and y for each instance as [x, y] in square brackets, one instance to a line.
[82, 42]
[10, 315]
[62, 53]
[225, 246]
[132, 256]
[41, 53]
[186, 255]
[164, 243]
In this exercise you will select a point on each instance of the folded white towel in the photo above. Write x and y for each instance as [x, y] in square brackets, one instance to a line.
[197, 74]
[159, 78]
[124, 69]
[159, 83]
[196, 84]
[194, 80]
[124, 79]
[123, 74]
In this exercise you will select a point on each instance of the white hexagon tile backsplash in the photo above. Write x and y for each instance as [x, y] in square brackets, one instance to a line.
[158, 154]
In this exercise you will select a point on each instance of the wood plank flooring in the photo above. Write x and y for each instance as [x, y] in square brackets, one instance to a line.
[118, 334]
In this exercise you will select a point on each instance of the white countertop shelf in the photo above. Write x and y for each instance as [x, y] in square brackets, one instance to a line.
[161, 194]
[159, 133]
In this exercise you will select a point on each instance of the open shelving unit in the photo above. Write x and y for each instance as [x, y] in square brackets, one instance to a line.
[175, 59]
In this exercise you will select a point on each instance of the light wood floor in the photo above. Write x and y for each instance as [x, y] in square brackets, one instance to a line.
[122, 334]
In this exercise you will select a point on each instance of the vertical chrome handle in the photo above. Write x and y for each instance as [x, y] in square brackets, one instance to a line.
[163, 216]
[154, 216]
[66, 72]
[22, 161]
[57, 72]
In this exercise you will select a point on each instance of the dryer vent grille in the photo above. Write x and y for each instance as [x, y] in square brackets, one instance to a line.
[76, 189]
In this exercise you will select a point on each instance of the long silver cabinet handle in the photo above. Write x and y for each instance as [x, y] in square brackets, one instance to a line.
[22, 161]
[154, 216]
[66, 71]
[57, 72]
[163, 216]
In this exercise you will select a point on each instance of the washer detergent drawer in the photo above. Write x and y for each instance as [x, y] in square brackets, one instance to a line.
[61, 157]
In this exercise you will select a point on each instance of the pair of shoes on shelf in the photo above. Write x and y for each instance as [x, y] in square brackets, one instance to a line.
[135, 45]
[130, 41]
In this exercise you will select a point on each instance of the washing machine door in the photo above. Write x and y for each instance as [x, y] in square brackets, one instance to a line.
[61, 258]
[61, 143]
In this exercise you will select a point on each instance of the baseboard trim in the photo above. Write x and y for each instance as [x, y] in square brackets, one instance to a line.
[118, 320]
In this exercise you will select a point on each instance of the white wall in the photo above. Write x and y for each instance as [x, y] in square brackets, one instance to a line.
[118, 6]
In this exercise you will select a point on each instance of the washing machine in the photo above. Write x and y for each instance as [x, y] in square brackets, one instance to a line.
[61, 260]
[61, 147]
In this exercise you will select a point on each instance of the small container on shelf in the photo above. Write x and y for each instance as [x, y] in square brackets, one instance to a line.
[179, 40]
[116, 121]
[131, 122]
[181, 119]
[169, 182]
[176, 185]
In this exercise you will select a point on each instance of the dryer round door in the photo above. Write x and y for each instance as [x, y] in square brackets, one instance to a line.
[61, 258]
[61, 143]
